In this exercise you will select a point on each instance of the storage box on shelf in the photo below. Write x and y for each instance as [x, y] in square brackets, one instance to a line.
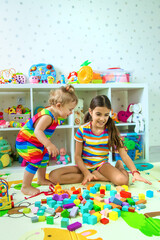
[35, 95]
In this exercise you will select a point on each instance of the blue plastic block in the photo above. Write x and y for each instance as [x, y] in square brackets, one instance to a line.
[97, 186]
[85, 217]
[113, 192]
[84, 209]
[34, 219]
[51, 203]
[92, 219]
[125, 208]
[108, 187]
[64, 222]
[37, 204]
[149, 193]
[107, 206]
[40, 212]
[93, 190]
[74, 196]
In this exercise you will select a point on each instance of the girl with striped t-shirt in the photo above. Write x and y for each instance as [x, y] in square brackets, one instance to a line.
[33, 141]
[94, 140]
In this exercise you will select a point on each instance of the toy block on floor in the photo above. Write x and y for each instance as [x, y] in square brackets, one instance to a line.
[74, 212]
[92, 220]
[131, 209]
[108, 187]
[50, 211]
[125, 194]
[64, 222]
[118, 211]
[26, 210]
[35, 210]
[98, 215]
[74, 226]
[125, 187]
[130, 201]
[34, 219]
[149, 193]
[41, 218]
[141, 196]
[119, 189]
[49, 220]
[141, 201]
[113, 215]
[85, 217]
[113, 193]
[65, 213]
[104, 220]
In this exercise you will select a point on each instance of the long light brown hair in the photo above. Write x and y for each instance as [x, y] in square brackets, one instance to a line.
[114, 140]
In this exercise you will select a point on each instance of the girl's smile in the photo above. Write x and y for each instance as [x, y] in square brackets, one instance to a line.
[99, 116]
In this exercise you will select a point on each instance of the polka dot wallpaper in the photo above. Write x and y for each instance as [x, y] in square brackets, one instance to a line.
[65, 33]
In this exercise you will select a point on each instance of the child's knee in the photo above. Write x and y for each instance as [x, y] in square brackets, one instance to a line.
[121, 180]
[53, 177]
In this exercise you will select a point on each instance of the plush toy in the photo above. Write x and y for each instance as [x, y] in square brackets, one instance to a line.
[63, 158]
[124, 115]
[136, 117]
[78, 113]
[5, 152]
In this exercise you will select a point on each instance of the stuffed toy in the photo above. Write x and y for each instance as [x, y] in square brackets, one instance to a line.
[136, 117]
[78, 113]
[124, 115]
[62, 158]
[5, 152]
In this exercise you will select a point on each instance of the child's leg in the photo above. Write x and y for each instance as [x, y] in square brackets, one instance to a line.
[27, 189]
[41, 173]
[117, 175]
[66, 175]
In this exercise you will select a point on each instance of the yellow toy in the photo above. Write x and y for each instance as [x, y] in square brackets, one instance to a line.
[85, 74]
[5, 198]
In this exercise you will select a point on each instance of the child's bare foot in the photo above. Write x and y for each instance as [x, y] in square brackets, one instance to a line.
[119, 164]
[43, 182]
[100, 176]
[30, 190]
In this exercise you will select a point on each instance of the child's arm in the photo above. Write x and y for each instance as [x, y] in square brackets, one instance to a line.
[41, 124]
[129, 163]
[79, 161]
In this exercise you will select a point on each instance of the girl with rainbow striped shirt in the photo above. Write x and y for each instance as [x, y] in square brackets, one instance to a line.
[33, 141]
[94, 140]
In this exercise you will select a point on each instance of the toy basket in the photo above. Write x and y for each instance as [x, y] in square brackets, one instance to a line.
[21, 118]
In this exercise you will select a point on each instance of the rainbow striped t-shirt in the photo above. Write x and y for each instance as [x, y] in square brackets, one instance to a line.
[27, 144]
[95, 150]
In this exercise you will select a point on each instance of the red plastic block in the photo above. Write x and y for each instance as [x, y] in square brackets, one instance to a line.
[102, 191]
[131, 209]
[125, 194]
[104, 220]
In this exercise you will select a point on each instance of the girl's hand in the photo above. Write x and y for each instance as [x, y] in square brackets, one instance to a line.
[52, 150]
[137, 177]
[88, 178]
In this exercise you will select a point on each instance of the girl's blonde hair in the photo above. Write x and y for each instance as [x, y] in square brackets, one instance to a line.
[63, 95]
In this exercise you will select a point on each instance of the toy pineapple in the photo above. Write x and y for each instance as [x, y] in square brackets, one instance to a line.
[85, 74]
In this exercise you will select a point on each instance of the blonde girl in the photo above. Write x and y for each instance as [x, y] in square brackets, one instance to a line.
[33, 141]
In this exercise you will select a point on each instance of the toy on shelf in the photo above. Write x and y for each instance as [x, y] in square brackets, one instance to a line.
[42, 73]
[10, 76]
[136, 117]
[1, 115]
[5, 152]
[72, 77]
[18, 116]
[62, 158]
[85, 74]
[4, 124]
[114, 116]
[116, 75]
[78, 113]
[133, 115]
[5, 199]
[61, 80]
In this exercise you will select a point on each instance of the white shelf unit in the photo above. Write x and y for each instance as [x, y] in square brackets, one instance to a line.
[34, 95]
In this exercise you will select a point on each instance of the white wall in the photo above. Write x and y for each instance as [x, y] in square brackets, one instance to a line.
[65, 33]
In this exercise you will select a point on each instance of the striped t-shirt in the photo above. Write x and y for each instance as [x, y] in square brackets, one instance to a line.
[95, 147]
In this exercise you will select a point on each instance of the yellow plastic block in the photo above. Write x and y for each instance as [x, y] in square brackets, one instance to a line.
[113, 215]
[41, 218]
[141, 196]
[125, 187]
[77, 202]
[103, 187]
[98, 215]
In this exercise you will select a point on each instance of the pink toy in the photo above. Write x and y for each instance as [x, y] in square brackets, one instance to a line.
[4, 124]
[124, 115]
[33, 79]
[63, 158]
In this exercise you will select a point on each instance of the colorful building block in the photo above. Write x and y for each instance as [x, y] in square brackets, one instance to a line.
[92, 219]
[74, 226]
[50, 220]
[149, 193]
[113, 215]
[65, 222]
